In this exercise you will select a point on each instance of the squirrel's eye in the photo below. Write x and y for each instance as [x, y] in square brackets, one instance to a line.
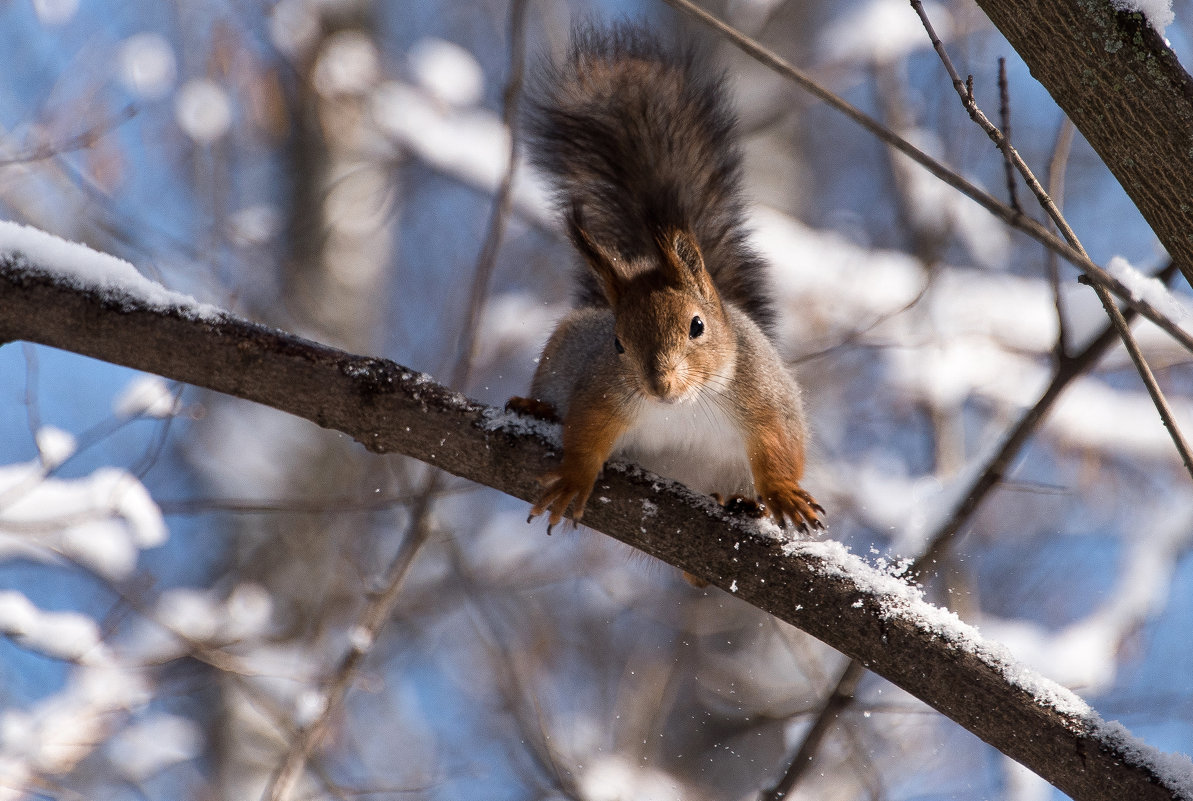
[697, 328]
[618, 346]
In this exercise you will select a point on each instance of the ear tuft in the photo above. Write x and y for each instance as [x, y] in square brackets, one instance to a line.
[602, 263]
[688, 252]
[683, 261]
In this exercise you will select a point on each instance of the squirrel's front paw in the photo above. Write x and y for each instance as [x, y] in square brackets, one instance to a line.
[533, 407]
[560, 492]
[789, 501]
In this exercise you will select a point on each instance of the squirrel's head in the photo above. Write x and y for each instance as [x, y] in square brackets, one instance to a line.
[670, 326]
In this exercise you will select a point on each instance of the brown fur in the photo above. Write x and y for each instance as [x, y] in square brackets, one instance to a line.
[672, 326]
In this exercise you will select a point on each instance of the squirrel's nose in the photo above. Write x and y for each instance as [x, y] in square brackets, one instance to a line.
[665, 384]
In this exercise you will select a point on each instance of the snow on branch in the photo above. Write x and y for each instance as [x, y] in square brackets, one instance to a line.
[867, 613]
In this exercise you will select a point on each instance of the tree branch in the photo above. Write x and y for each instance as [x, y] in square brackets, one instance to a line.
[987, 201]
[816, 586]
[1127, 93]
[1001, 139]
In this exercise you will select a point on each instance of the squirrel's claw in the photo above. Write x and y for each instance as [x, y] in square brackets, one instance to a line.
[790, 501]
[558, 494]
[784, 504]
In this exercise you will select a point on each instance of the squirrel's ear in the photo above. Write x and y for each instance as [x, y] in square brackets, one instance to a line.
[600, 261]
[684, 261]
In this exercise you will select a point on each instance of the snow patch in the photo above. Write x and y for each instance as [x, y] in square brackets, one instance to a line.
[148, 746]
[61, 635]
[1151, 290]
[55, 12]
[54, 446]
[882, 31]
[896, 599]
[470, 144]
[347, 65]
[102, 520]
[147, 395]
[614, 778]
[203, 110]
[1158, 12]
[446, 71]
[147, 65]
[90, 269]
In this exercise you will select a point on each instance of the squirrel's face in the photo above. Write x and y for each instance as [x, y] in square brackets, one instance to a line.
[671, 336]
[672, 344]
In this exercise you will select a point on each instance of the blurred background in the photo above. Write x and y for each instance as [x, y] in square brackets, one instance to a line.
[182, 574]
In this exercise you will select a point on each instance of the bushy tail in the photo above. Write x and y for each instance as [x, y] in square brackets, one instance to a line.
[643, 139]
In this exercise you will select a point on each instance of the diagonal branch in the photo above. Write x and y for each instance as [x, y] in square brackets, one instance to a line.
[817, 586]
[1121, 84]
[1145, 372]
[1002, 211]
[1058, 219]
[988, 477]
[378, 611]
[376, 614]
[502, 202]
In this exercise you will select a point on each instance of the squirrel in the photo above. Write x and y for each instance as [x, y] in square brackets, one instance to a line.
[668, 356]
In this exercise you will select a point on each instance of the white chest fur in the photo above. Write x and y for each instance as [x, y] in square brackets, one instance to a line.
[693, 441]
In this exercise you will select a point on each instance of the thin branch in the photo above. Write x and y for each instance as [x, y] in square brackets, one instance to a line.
[80, 141]
[1145, 372]
[988, 478]
[1056, 188]
[362, 637]
[503, 201]
[837, 701]
[515, 692]
[987, 201]
[1046, 202]
[1004, 115]
[996, 136]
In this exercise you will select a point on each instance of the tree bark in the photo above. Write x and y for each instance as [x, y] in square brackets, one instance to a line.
[1125, 90]
[817, 587]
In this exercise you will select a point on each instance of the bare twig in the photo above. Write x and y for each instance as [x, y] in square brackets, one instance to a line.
[1004, 116]
[80, 141]
[837, 701]
[362, 637]
[502, 202]
[1000, 210]
[1056, 188]
[996, 136]
[1145, 372]
[989, 477]
[1046, 202]
[516, 692]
